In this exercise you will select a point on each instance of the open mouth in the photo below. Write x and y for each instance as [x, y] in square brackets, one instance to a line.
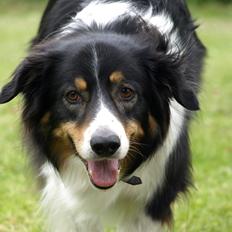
[103, 173]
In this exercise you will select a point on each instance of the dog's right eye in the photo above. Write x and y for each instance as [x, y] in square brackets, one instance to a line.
[73, 97]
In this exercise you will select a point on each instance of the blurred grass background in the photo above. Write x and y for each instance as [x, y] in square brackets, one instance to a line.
[209, 206]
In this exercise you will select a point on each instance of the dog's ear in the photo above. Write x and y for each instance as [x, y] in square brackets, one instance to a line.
[168, 71]
[26, 72]
[185, 96]
[169, 74]
[16, 85]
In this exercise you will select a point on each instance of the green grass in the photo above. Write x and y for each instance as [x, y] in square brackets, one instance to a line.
[209, 206]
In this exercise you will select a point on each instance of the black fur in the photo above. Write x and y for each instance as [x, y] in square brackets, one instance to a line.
[127, 44]
[178, 179]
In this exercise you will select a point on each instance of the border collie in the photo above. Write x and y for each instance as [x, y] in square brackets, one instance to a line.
[109, 89]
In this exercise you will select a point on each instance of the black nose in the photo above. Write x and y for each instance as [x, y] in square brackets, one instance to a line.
[105, 144]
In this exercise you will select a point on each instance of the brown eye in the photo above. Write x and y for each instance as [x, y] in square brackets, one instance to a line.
[73, 97]
[126, 93]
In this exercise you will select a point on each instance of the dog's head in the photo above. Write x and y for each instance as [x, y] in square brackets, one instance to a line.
[103, 97]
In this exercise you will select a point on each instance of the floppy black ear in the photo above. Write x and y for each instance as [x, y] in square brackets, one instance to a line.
[15, 86]
[187, 98]
[26, 72]
[170, 75]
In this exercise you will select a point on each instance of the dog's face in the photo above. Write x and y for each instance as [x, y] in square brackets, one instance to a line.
[104, 99]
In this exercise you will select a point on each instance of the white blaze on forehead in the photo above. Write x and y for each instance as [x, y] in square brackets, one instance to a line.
[107, 120]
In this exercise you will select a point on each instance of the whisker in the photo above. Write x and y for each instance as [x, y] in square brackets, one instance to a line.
[138, 143]
[136, 151]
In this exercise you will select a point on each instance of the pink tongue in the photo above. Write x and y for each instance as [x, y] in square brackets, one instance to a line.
[104, 172]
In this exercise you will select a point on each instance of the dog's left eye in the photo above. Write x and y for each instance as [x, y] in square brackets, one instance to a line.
[126, 93]
[73, 97]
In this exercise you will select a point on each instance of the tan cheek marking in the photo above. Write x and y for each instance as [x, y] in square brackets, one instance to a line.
[134, 130]
[59, 133]
[152, 125]
[116, 77]
[81, 84]
[61, 149]
[75, 132]
[61, 146]
[45, 119]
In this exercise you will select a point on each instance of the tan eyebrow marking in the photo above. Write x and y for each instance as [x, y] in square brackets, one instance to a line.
[81, 84]
[116, 77]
